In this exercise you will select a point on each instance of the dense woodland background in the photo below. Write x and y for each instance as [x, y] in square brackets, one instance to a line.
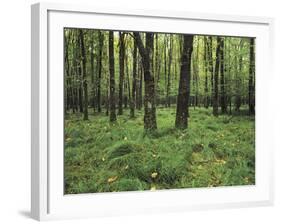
[109, 71]
[118, 84]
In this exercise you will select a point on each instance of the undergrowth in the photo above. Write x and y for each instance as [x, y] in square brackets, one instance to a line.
[104, 157]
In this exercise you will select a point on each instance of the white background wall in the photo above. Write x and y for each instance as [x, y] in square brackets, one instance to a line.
[15, 110]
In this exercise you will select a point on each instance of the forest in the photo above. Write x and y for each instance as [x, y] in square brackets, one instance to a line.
[151, 111]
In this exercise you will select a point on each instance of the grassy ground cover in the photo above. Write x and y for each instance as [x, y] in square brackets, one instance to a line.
[103, 157]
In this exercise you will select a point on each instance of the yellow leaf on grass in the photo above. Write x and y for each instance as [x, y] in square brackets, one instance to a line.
[220, 161]
[112, 179]
[154, 174]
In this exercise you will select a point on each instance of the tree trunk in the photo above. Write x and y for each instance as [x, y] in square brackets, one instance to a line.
[222, 79]
[79, 72]
[168, 100]
[93, 79]
[251, 78]
[99, 68]
[112, 114]
[121, 71]
[211, 66]
[238, 75]
[150, 123]
[216, 79]
[184, 83]
[133, 99]
[84, 80]
[206, 103]
[67, 94]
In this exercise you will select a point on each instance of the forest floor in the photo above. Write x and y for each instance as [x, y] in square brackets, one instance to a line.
[103, 157]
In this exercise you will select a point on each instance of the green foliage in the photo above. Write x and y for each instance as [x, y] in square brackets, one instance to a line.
[103, 157]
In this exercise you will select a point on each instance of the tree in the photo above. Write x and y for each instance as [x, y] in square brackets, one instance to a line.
[210, 62]
[184, 83]
[222, 79]
[99, 70]
[206, 103]
[121, 71]
[79, 72]
[251, 78]
[93, 79]
[238, 74]
[170, 54]
[84, 81]
[112, 114]
[150, 123]
[216, 79]
[133, 98]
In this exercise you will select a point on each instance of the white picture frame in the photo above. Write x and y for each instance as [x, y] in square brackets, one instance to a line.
[47, 198]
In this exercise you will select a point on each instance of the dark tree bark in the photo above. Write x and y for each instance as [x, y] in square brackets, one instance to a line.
[238, 75]
[157, 67]
[79, 72]
[150, 123]
[139, 91]
[168, 100]
[222, 79]
[211, 65]
[165, 64]
[184, 83]
[112, 114]
[127, 74]
[206, 103]
[99, 70]
[216, 79]
[196, 74]
[133, 99]
[121, 71]
[67, 77]
[251, 78]
[93, 79]
[84, 80]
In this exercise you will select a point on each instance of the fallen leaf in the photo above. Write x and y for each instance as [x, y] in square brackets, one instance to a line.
[154, 174]
[112, 179]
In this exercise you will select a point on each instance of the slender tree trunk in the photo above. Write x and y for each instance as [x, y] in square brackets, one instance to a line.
[170, 50]
[93, 79]
[165, 65]
[150, 123]
[222, 79]
[67, 77]
[133, 100]
[216, 79]
[80, 78]
[251, 78]
[127, 81]
[112, 114]
[184, 84]
[140, 101]
[238, 75]
[121, 71]
[99, 68]
[211, 66]
[85, 84]
[206, 73]
[157, 68]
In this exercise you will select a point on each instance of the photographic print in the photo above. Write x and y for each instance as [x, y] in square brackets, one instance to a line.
[154, 111]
